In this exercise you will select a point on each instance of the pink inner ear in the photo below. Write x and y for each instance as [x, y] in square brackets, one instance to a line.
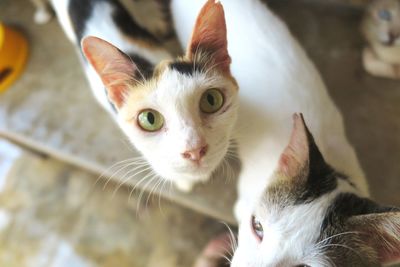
[296, 154]
[209, 34]
[113, 66]
[391, 255]
[390, 258]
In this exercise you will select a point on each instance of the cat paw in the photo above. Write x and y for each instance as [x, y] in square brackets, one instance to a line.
[376, 67]
[42, 16]
[184, 185]
[216, 252]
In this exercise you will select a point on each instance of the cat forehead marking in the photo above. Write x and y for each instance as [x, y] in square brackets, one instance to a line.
[185, 67]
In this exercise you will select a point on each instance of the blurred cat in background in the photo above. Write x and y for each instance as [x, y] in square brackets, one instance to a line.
[381, 28]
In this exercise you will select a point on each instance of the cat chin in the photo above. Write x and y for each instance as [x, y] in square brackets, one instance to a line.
[187, 183]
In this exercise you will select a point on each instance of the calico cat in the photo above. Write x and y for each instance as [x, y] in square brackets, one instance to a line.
[309, 214]
[381, 28]
[178, 114]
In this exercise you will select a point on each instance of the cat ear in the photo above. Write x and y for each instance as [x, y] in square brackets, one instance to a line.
[115, 69]
[302, 155]
[382, 232]
[209, 36]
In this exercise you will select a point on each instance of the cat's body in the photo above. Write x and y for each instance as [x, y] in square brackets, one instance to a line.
[276, 79]
[381, 29]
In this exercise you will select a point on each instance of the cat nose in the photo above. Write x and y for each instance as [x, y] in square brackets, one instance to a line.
[196, 154]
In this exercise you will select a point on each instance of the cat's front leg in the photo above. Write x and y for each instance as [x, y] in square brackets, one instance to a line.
[376, 67]
[42, 13]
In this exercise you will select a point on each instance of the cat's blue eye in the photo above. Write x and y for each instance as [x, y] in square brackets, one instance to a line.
[384, 14]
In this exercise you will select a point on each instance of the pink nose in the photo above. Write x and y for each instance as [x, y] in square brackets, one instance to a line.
[195, 154]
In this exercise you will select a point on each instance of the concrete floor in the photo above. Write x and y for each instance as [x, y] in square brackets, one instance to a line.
[55, 215]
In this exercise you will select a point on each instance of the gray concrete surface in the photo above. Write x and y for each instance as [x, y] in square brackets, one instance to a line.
[55, 215]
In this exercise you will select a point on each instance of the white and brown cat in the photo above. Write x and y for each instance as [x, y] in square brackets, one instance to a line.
[178, 113]
[309, 214]
[381, 28]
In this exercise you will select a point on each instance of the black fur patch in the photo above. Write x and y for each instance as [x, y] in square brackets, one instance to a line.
[80, 11]
[128, 25]
[347, 205]
[145, 67]
[186, 68]
[321, 178]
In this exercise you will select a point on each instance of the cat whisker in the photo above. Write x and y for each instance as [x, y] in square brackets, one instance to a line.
[138, 183]
[164, 182]
[336, 235]
[124, 166]
[143, 190]
[343, 246]
[103, 174]
[232, 237]
[128, 162]
[153, 190]
[128, 177]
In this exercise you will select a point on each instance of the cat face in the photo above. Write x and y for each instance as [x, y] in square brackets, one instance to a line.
[181, 118]
[382, 22]
[310, 216]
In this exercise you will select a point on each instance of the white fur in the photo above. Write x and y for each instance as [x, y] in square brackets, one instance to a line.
[177, 98]
[276, 79]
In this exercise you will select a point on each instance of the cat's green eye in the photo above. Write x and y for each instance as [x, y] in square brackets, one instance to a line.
[211, 101]
[384, 14]
[150, 120]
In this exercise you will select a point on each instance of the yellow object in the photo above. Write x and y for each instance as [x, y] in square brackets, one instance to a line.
[13, 54]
